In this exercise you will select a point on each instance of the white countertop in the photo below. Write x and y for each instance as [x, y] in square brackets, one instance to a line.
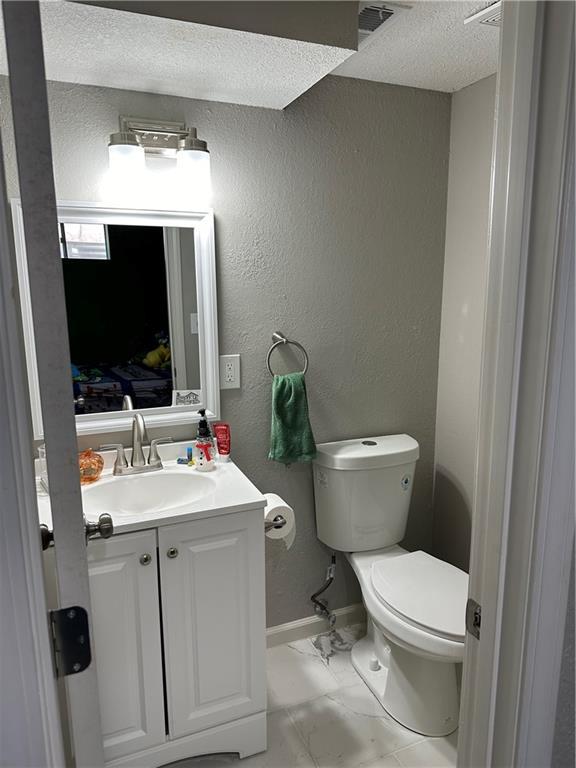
[232, 492]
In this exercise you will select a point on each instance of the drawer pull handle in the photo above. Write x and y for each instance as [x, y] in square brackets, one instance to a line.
[145, 559]
[172, 552]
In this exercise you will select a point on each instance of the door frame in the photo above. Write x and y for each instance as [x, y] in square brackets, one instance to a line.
[30, 116]
[26, 654]
[521, 546]
[494, 565]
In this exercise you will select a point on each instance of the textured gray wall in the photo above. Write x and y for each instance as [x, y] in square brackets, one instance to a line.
[330, 228]
[462, 328]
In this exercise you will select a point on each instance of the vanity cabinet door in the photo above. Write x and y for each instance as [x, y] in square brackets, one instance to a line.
[126, 643]
[212, 576]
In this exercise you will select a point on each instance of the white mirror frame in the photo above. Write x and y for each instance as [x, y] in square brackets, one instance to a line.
[203, 224]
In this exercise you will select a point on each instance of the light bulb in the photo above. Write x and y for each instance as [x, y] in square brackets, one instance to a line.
[125, 155]
[194, 170]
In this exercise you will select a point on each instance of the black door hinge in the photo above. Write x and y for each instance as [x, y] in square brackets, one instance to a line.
[70, 640]
[473, 617]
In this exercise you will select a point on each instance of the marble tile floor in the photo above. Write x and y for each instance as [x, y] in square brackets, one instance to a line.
[322, 715]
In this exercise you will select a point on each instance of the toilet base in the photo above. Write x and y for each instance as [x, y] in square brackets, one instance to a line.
[420, 694]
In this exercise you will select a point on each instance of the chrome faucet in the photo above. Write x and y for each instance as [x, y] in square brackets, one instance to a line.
[127, 404]
[139, 438]
[138, 461]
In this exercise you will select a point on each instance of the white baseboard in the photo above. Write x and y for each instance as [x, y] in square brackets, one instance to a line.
[313, 625]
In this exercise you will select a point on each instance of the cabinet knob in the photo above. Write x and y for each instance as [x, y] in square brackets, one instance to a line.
[172, 552]
[145, 559]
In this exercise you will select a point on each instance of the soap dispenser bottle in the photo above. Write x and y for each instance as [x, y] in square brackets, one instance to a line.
[204, 451]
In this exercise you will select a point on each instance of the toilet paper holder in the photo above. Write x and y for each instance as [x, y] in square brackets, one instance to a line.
[278, 522]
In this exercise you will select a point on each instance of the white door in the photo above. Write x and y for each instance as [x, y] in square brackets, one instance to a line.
[126, 641]
[33, 153]
[212, 588]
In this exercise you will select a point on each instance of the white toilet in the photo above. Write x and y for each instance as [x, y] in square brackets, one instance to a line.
[415, 602]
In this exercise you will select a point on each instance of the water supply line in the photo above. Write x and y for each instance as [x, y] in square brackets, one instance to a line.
[320, 606]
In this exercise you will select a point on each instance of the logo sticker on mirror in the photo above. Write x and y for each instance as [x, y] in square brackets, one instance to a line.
[185, 397]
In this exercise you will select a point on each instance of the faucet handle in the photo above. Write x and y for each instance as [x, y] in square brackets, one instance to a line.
[120, 462]
[154, 459]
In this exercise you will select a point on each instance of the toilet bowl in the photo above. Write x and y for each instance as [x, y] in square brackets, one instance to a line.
[415, 603]
[409, 658]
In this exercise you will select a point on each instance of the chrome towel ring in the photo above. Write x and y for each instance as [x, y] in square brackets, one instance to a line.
[277, 340]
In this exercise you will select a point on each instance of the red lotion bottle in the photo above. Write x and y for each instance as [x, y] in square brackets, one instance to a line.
[222, 435]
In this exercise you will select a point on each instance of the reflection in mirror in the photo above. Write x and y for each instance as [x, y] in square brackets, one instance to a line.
[140, 293]
[131, 304]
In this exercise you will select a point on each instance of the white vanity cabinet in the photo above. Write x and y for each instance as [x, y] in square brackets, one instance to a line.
[126, 641]
[214, 635]
[179, 639]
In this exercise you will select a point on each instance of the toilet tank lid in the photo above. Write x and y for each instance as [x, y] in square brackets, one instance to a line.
[368, 452]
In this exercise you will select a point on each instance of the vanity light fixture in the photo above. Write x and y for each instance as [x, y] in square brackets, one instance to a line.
[139, 137]
[164, 138]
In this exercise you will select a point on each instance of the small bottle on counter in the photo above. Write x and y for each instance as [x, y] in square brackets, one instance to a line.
[204, 449]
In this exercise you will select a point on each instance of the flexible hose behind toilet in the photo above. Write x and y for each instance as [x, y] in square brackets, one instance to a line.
[320, 606]
[331, 642]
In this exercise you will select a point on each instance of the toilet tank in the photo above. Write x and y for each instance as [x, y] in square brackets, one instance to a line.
[362, 491]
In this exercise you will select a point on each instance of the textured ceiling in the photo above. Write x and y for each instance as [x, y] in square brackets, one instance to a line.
[428, 47]
[118, 49]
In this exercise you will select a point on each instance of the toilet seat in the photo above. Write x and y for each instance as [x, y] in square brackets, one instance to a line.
[400, 629]
[423, 591]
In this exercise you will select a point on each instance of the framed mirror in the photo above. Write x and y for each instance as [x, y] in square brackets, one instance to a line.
[140, 291]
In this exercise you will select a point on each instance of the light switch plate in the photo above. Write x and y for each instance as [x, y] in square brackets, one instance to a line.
[229, 371]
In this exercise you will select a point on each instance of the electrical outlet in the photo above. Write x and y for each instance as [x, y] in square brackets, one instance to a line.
[229, 371]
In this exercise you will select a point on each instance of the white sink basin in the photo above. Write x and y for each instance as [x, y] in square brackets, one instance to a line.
[146, 493]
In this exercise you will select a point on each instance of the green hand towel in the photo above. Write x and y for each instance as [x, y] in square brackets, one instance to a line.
[291, 437]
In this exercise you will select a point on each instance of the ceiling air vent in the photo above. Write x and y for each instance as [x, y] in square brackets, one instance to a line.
[371, 17]
[490, 15]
